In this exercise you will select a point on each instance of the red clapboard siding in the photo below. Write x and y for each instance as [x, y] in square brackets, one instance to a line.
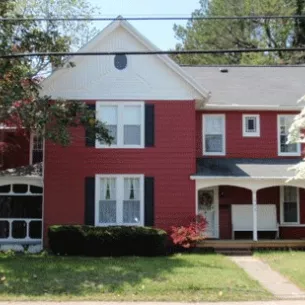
[171, 162]
[237, 146]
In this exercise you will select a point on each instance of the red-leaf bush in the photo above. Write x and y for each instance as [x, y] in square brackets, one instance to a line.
[188, 236]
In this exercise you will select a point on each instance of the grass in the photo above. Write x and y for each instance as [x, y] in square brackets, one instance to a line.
[188, 277]
[291, 264]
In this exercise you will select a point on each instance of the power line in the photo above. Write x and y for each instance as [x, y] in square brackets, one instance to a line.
[174, 52]
[168, 18]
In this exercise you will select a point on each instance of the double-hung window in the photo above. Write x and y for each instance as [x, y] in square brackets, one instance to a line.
[36, 149]
[125, 123]
[284, 149]
[119, 200]
[213, 134]
[290, 205]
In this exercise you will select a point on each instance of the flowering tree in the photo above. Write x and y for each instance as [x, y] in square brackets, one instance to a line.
[21, 105]
[297, 135]
[188, 236]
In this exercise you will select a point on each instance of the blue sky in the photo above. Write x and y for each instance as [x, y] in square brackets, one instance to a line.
[158, 32]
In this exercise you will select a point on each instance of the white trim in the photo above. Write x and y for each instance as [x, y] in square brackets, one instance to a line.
[200, 92]
[282, 207]
[30, 180]
[292, 225]
[195, 177]
[244, 121]
[204, 152]
[120, 123]
[215, 189]
[289, 154]
[234, 107]
[119, 198]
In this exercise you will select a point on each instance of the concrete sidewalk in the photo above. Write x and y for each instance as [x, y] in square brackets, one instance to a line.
[271, 280]
[285, 302]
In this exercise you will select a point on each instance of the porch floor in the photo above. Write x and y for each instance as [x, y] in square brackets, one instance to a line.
[250, 244]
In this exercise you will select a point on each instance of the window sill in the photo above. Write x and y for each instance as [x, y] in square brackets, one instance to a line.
[251, 135]
[298, 154]
[213, 154]
[119, 147]
[291, 225]
[118, 224]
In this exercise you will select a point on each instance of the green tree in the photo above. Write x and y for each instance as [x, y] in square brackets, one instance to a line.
[79, 32]
[20, 102]
[233, 34]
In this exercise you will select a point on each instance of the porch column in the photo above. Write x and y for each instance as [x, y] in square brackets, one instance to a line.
[254, 210]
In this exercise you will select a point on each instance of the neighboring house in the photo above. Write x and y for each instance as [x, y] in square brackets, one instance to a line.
[187, 140]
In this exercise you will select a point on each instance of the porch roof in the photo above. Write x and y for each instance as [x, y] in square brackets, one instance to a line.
[34, 170]
[251, 168]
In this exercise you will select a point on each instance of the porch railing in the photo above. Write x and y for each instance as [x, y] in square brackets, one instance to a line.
[20, 230]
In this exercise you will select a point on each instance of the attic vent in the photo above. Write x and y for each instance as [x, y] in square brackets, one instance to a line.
[224, 70]
[120, 61]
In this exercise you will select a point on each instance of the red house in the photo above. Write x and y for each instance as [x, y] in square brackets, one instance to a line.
[187, 140]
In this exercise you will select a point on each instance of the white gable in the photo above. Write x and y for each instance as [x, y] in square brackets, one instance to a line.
[145, 77]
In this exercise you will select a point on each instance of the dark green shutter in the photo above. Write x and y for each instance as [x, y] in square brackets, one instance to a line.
[149, 197]
[89, 200]
[149, 125]
[90, 141]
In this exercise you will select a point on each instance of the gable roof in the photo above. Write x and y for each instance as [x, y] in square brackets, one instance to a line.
[197, 91]
[250, 87]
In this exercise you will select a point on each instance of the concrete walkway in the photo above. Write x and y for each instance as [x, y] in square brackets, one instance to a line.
[157, 303]
[271, 280]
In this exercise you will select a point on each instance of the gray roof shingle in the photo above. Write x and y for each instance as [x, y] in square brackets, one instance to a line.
[250, 85]
[256, 168]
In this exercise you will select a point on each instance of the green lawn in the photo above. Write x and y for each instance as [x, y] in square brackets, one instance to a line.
[291, 264]
[188, 277]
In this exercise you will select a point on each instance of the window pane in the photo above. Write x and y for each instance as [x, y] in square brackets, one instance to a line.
[290, 194]
[20, 188]
[107, 211]
[250, 124]
[113, 132]
[35, 230]
[290, 212]
[4, 229]
[108, 189]
[132, 115]
[213, 143]
[19, 229]
[214, 124]
[131, 189]
[109, 115]
[131, 211]
[293, 148]
[132, 135]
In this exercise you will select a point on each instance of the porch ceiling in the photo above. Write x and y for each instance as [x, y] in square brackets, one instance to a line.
[245, 168]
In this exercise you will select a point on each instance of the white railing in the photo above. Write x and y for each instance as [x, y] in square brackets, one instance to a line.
[8, 230]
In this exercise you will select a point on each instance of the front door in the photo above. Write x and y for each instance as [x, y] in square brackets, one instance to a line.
[208, 207]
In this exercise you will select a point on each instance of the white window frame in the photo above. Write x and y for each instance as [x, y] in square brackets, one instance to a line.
[119, 199]
[298, 152]
[32, 148]
[282, 207]
[223, 153]
[246, 133]
[120, 124]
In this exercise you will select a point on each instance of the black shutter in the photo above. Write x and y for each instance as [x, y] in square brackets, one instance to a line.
[90, 141]
[149, 197]
[149, 125]
[89, 200]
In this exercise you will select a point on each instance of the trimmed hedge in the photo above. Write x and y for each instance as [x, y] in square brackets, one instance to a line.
[107, 241]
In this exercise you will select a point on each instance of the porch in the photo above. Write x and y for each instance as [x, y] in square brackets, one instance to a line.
[21, 195]
[250, 203]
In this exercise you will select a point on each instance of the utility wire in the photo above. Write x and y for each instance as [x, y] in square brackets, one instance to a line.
[251, 17]
[174, 52]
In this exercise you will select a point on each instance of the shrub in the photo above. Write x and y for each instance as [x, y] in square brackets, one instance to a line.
[187, 237]
[107, 241]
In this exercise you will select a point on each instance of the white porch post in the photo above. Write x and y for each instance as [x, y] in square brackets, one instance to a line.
[254, 209]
